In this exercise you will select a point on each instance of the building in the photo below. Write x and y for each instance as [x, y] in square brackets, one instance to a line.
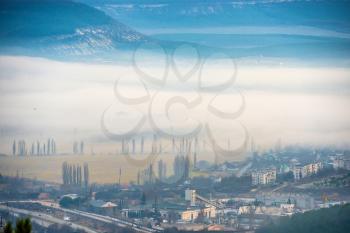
[287, 208]
[103, 207]
[312, 168]
[273, 210]
[72, 196]
[190, 195]
[102, 204]
[277, 199]
[300, 172]
[246, 209]
[193, 213]
[297, 172]
[264, 177]
[341, 163]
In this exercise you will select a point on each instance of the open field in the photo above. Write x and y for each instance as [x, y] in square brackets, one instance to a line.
[103, 168]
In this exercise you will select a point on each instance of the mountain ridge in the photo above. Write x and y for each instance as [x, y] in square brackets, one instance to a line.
[61, 29]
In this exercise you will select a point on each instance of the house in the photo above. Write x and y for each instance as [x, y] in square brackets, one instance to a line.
[101, 206]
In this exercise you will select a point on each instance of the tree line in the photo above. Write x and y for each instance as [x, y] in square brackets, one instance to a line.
[22, 226]
[73, 175]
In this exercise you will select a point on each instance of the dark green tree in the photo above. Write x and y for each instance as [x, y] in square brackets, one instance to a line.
[143, 198]
[334, 219]
[23, 226]
[8, 228]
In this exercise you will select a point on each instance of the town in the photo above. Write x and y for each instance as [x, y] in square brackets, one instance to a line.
[199, 195]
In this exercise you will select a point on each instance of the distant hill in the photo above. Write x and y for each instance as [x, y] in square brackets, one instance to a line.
[61, 29]
[326, 14]
[244, 28]
[331, 220]
[71, 30]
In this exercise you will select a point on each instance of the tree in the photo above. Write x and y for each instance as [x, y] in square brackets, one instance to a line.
[143, 198]
[234, 184]
[8, 228]
[23, 226]
[285, 177]
[334, 219]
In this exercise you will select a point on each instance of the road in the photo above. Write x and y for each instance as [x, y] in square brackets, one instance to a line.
[98, 217]
[45, 219]
[285, 184]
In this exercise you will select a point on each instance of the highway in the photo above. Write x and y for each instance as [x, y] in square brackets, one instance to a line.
[45, 219]
[98, 217]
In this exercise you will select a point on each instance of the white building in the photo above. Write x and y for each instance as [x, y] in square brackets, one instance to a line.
[193, 213]
[276, 199]
[190, 195]
[300, 172]
[264, 177]
[341, 163]
[246, 209]
[287, 208]
[297, 173]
